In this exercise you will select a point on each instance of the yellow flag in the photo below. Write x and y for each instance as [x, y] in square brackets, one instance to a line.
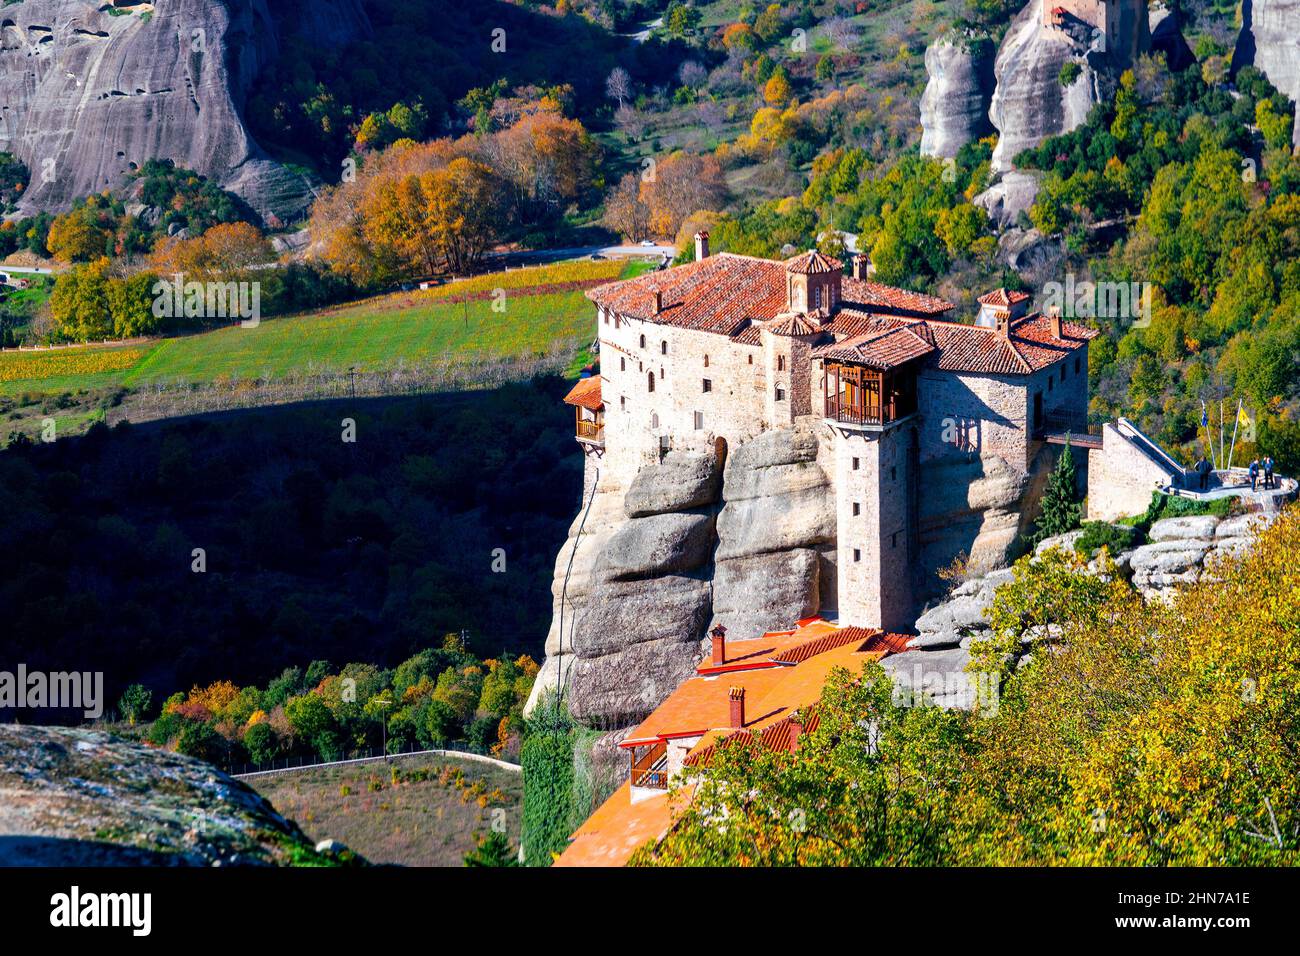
[1242, 418]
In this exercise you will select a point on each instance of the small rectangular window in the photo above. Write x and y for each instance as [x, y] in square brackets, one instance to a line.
[893, 540]
[857, 509]
[855, 464]
[622, 364]
[699, 421]
[893, 472]
[708, 385]
[780, 394]
[780, 363]
[751, 360]
[622, 401]
[857, 555]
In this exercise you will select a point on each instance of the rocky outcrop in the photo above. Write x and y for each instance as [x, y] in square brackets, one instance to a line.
[1270, 41]
[1178, 551]
[88, 96]
[71, 797]
[687, 541]
[955, 104]
[1030, 103]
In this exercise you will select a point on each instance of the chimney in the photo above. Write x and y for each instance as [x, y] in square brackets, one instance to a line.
[796, 730]
[737, 699]
[1054, 317]
[659, 301]
[719, 635]
[701, 245]
[861, 266]
[1002, 323]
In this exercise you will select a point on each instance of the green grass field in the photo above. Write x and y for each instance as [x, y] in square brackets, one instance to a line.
[404, 328]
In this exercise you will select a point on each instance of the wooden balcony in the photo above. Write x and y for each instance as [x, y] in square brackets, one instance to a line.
[651, 770]
[591, 431]
[853, 395]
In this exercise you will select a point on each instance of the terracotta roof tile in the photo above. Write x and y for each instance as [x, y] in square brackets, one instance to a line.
[875, 297]
[586, 394]
[879, 350]
[1003, 298]
[813, 262]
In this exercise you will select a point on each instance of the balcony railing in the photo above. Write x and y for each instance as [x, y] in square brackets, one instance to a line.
[591, 431]
[856, 414]
[652, 769]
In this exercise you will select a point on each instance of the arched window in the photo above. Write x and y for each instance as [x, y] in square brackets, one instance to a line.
[780, 363]
[654, 420]
[650, 382]
[643, 341]
[663, 348]
[706, 361]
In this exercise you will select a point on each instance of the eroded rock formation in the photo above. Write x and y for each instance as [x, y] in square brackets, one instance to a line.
[71, 797]
[1270, 40]
[1177, 551]
[86, 97]
[955, 104]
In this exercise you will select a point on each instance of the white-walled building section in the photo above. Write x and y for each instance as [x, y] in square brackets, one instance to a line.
[903, 396]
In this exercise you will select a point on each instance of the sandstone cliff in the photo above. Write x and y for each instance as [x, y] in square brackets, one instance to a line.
[741, 539]
[955, 104]
[86, 97]
[73, 797]
[1270, 40]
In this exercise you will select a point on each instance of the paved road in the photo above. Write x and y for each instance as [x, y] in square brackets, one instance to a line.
[578, 252]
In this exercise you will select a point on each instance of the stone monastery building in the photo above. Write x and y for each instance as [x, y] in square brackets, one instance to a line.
[712, 353]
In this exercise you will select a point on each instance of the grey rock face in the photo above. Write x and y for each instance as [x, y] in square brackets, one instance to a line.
[777, 497]
[72, 797]
[678, 483]
[1013, 194]
[1270, 40]
[657, 545]
[88, 97]
[935, 677]
[955, 104]
[766, 592]
[1178, 529]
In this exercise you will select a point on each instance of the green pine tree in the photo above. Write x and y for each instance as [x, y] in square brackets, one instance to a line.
[492, 850]
[1061, 507]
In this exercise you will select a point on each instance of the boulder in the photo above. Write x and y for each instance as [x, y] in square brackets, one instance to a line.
[621, 688]
[955, 104]
[936, 677]
[680, 482]
[1013, 194]
[657, 545]
[1249, 524]
[78, 797]
[1063, 542]
[619, 614]
[1181, 529]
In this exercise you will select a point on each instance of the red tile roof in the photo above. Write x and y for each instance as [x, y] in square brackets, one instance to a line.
[1030, 346]
[875, 297]
[813, 262]
[586, 394]
[794, 324]
[885, 349]
[1002, 297]
[733, 295]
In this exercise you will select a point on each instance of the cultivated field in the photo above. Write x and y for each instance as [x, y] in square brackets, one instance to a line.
[416, 811]
[538, 311]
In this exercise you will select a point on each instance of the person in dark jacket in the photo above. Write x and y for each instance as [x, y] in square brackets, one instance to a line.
[1203, 471]
[1268, 471]
[1254, 473]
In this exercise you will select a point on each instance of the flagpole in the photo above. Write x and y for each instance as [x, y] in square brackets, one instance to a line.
[1220, 431]
[1205, 423]
[1235, 422]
